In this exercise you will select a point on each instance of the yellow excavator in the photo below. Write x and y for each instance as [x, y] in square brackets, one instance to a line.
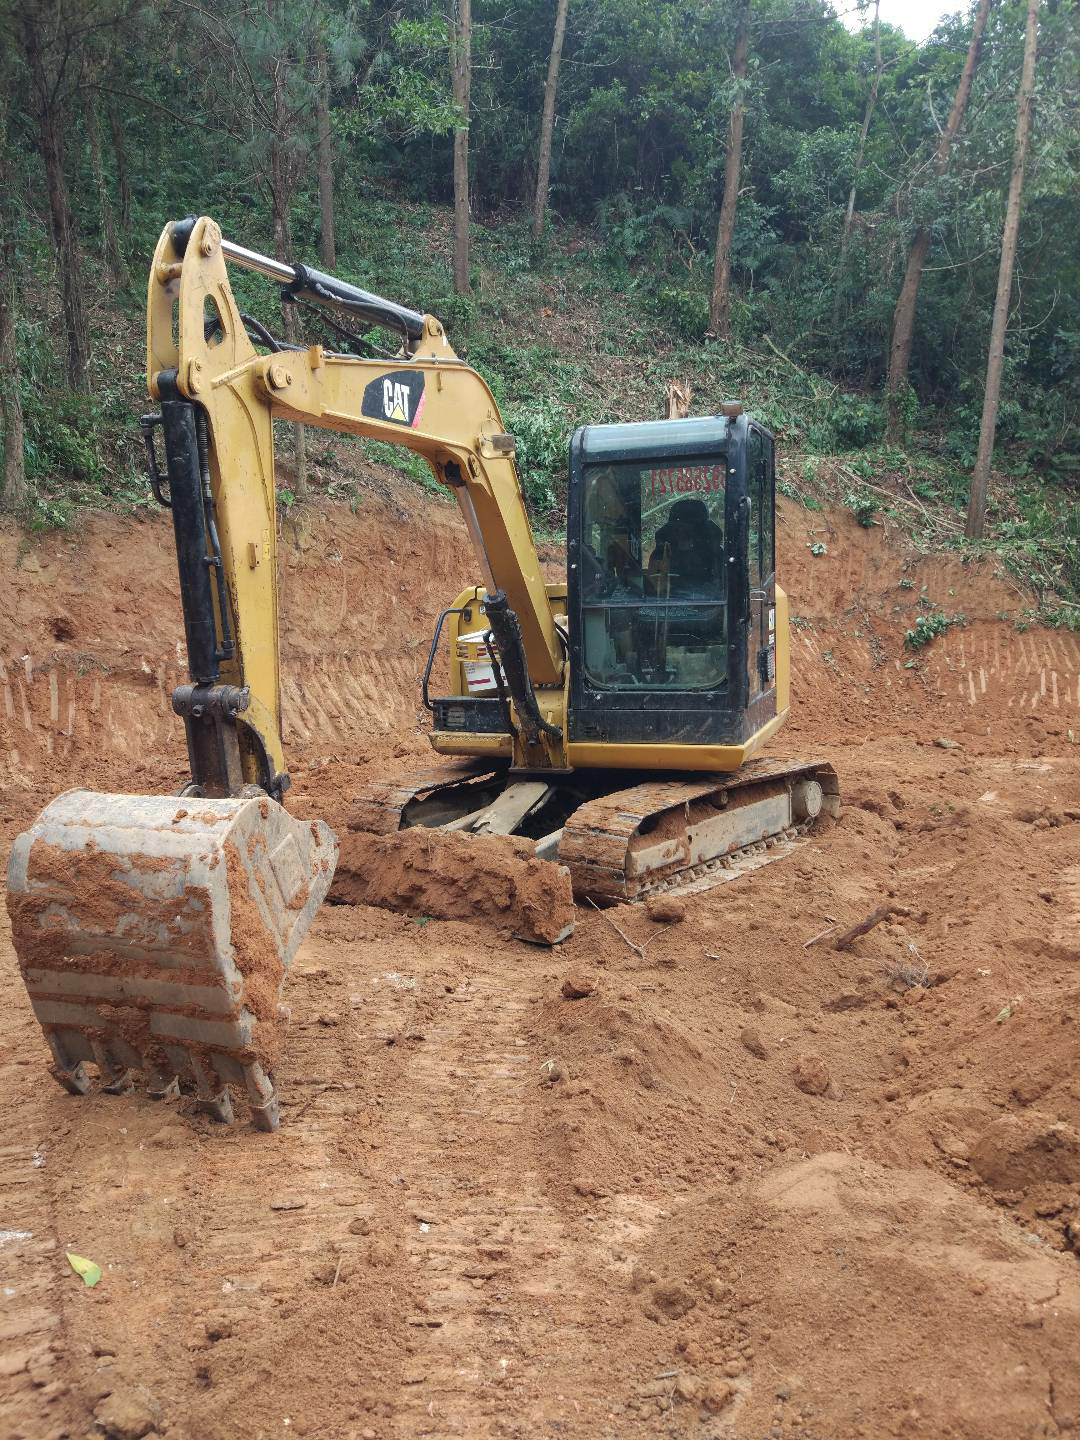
[612, 720]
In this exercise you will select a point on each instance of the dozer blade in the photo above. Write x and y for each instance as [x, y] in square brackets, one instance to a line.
[154, 934]
[405, 848]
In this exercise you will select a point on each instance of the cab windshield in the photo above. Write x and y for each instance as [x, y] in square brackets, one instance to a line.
[654, 575]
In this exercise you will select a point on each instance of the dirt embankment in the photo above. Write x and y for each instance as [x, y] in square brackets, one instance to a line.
[716, 1181]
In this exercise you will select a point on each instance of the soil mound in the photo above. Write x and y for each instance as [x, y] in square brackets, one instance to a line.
[1020, 1150]
[457, 877]
[882, 1285]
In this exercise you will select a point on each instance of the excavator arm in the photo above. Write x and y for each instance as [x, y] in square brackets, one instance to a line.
[219, 398]
[154, 932]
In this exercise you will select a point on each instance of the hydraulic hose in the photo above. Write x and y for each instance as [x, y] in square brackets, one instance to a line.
[506, 628]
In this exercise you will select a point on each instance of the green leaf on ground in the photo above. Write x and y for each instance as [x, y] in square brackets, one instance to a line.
[88, 1269]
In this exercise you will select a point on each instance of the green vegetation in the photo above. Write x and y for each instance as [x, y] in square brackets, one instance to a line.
[594, 322]
[864, 505]
[929, 627]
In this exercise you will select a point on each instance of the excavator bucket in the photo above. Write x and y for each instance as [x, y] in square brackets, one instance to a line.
[154, 935]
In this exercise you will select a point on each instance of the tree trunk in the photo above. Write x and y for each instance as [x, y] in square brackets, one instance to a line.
[50, 123]
[123, 181]
[547, 123]
[110, 244]
[720, 303]
[282, 248]
[976, 515]
[13, 492]
[461, 75]
[325, 158]
[904, 314]
[280, 195]
[871, 102]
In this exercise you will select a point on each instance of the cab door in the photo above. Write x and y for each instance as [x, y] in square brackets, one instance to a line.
[761, 636]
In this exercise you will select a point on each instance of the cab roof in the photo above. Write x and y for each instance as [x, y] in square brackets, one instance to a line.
[662, 439]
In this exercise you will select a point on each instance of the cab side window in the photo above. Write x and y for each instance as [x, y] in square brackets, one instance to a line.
[768, 510]
[755, 461]
[759, 483]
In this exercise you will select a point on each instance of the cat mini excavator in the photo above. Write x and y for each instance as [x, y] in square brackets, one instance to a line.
[613, 719]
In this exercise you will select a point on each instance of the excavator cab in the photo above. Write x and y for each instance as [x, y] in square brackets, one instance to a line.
[676, 675]
[674, 629]
[671, 583]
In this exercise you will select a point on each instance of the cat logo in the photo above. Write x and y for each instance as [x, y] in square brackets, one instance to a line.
[395, 400]
[397, 397]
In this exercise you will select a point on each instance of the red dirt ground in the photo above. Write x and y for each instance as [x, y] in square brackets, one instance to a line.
[747, 1187]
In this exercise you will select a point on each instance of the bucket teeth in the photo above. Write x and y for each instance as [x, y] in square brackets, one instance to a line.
[122, 1083]
[162, 1087]
[74, 1079]
[218, 1107]
[266, 1117]
[154, 936]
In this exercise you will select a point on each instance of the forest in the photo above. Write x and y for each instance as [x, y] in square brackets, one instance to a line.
[870, 241]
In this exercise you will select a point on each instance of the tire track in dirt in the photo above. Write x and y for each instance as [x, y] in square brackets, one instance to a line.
[496, 1278]
[1030, 672]
[30, 1322]
[54, 716]
[300, 1249]
[241, 1247]
[54, 713]
[30, 1257]
[1066, 931]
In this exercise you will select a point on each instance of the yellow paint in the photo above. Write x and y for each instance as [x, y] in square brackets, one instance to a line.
[456, 742]
[241, 466]
[243, 393]
[604, 755]
[783, 652]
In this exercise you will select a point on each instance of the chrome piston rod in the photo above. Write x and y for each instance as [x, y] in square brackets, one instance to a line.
[252, 260]
[320, 289]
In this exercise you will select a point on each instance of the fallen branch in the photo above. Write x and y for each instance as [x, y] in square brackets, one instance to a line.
[942, 520]
[820, 935]
[639, 950]
[807, 376]
[845, 940]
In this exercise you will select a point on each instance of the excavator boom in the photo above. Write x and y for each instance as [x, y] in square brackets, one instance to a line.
[154, 932]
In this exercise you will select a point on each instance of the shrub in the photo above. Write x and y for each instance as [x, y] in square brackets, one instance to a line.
[541, 433]
[929, 627]
[864, 505]
[685, 312]
[854, 422]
